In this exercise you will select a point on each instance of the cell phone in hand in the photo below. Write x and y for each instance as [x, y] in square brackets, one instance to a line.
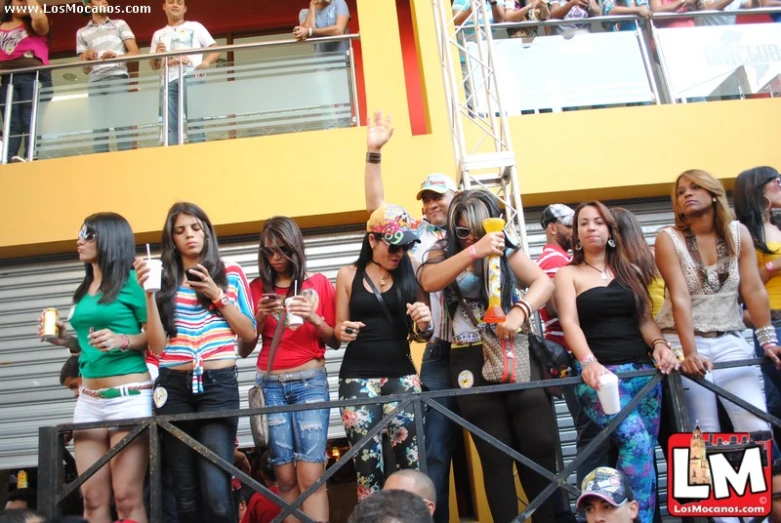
[270, 296]
[192, 276]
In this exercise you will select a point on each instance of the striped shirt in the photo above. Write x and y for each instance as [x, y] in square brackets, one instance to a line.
[429, 234]
[108, 36]
[203, 334]
[553, 258]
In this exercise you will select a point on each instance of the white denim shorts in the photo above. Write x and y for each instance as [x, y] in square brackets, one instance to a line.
[91, 409]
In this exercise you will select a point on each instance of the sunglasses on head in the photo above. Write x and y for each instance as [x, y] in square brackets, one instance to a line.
[285, 251]
[393, 249]
[87, 235]
[463, 232]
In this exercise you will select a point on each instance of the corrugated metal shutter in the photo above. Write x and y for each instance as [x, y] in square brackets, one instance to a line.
[30, 393]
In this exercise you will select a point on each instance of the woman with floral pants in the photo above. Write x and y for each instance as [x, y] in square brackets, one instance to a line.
[378, 305]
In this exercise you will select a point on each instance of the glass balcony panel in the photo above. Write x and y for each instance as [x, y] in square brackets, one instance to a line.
[721, 62]
[265, 92]
[553, 72]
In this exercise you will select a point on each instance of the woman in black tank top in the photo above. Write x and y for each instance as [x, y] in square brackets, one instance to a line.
[378, 307]
[604, 309]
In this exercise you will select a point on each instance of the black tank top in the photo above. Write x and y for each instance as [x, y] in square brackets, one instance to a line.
[381, 350]
[607, 318]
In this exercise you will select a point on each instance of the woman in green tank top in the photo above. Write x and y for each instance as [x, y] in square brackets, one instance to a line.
[108, 317]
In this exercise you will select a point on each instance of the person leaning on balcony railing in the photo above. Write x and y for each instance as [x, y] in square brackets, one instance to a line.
[324, 18]
[573, 10]
[625, 7]
[708, 261]
[108, 316]
[297, 373]
[725, 6]
[674, 6]
[178, 35]
[203, 306]
[24, 42]
[379, 307]
[104, 39]
[524, 11]
[604, 309]
[459, 260]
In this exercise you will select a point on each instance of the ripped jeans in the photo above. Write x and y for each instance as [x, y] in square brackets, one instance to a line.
[302, 435]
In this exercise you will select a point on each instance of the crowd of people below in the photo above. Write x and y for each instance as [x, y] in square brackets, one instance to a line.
[148, 347]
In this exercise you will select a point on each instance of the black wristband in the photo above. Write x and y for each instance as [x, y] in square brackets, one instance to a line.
[373, 157]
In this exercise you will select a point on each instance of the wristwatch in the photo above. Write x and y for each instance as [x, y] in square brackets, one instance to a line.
[492, 2]
[222, 300]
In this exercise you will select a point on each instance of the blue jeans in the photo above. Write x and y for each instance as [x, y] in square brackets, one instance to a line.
[203, 491]
[301, 435]
[441, 433]
[104, 86]
[173, 112]
[21, 108]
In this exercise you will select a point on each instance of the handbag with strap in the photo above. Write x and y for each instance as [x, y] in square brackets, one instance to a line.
[259, 422]
[504, 360]
[556, 362]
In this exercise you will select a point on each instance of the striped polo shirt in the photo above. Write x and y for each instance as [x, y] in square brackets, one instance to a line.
[429, 234]
[203, 334]
[108, 36]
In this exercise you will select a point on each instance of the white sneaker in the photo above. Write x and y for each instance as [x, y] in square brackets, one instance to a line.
[18, 159]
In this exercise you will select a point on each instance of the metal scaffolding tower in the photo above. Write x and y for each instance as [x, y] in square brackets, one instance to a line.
[481, 134]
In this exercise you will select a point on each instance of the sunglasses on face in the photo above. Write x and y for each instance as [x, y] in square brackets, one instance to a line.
[87, 235]
[393, 249]
[285, 251]
[463, 232]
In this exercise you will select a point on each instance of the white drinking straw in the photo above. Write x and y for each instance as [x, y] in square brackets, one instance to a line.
[148, 252]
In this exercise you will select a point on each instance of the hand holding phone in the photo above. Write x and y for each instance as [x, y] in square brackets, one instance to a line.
[192, 276]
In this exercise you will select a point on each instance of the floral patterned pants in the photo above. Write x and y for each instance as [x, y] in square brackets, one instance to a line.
[358, 420]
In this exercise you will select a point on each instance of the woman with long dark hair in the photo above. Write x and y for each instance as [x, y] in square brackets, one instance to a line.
[24, 30]
[378, 307]
[457, 266]
[109, 315]
[707, 260]
[756, 193]
[202, 307]
[604, 309]
[297, 373]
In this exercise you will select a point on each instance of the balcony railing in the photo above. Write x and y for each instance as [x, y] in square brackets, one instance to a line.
[52, 491]
[644, 65]
[248, 97]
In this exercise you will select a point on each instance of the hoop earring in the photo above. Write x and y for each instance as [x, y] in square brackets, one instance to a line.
[611, 243]
[578, 245]
[769, 205]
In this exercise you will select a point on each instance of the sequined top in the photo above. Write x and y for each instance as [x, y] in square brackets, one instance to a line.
[714, 292]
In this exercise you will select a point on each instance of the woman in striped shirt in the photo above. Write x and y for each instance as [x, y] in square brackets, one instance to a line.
[193, 323]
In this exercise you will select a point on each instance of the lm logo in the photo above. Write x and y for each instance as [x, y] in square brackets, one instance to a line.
[719, 474]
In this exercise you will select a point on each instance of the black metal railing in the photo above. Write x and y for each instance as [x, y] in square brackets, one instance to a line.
[52, 491]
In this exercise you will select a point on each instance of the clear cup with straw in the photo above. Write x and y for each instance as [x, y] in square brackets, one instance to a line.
[155, 274]
[294, 321]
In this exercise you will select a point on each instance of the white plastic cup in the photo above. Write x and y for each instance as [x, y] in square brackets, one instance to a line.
[293, 320]
[608, 394]
[155, 275]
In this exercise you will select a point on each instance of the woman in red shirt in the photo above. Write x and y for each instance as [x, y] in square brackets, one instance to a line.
[296, 373]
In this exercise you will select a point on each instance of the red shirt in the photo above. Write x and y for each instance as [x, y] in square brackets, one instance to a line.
[553, 258]
[260, 509]
[303, 344]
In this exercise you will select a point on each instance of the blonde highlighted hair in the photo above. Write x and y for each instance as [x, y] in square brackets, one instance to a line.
[722, 213]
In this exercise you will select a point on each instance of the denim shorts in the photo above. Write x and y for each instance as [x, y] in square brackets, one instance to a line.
[301, 435]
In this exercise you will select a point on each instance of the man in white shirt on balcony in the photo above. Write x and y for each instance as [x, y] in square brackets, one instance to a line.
[324, 18]
[103, 39]
[176, 36]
